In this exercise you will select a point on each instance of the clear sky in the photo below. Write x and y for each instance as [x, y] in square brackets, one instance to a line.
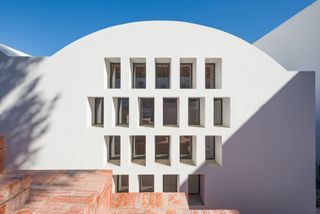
[42, 27]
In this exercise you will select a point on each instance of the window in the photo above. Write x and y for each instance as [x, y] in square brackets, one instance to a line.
[146, 183]
[146, 111]
[115, 75]
[122, 183]
[98, 111]
[139, 75]
[194, 111]
[186, 147]
[138, 147]
[210, 147]
[170, 111]
[194, 189]
[218, 117]
[162, 75]
[114, 147]
[185, 75]
[210, 75]
[122, 111]
[170, 183]
[162, 147]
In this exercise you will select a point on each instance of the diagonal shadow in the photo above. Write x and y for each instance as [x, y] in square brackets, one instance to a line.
[268, 163]
[24, 112]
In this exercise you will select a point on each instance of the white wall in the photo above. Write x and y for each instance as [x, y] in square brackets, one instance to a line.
[295, 45]
[266, 151]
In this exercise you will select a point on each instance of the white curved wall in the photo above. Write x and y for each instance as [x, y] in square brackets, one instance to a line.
[266, 152]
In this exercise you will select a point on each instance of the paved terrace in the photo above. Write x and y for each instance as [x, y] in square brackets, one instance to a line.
[79, 192]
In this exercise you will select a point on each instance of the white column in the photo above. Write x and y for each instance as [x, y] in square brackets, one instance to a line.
[158, 183]
[150, 151]
[200, 150]
[125, 73]
[175, 73]
[183, 109]
[150, 73]
[109, 112]
[183, 180]
[200, 73]
[158, 111]
[208, 112]
[133, 112]
[174, 150]
[125, 158]
[133, 183]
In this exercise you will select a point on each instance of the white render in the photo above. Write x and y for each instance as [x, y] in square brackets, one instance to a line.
[267, 152]
[295, 45]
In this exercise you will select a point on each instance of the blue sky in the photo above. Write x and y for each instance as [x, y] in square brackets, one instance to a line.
[42, 27]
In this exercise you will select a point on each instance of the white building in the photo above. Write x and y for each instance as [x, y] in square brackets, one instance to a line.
[168, 106]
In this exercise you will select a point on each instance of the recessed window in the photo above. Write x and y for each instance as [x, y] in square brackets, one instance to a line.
[114, 147]
[162, 149]
[98, 111]
[170, 111]
[146, 111]
[138, 148]
[210, 75]
[146, 183]
[194, 112]
[186, 148]
[115, 75]
[170, 183]
[186, 75]
[122, 116]
[162, 75]
[139, 75]
[194, 190]
[210, 148]
[122, 183]
[218, 111]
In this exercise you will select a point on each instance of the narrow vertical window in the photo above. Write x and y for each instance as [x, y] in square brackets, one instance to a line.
[162, 148]
[195, 187]
[122, 184]
[115, 75]
[170, 111]
[146, 183]
[98, 111]
[138, 148]
[210, 148]
[185, 75]
[218, 114]
[162, 75]
[186, 147]
[123, 111]
[146, 111]
[139, 75]
[170, 183]
[210, 75]
[194, 112]
[114, 147]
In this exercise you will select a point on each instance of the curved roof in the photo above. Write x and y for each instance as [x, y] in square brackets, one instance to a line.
[10, 51]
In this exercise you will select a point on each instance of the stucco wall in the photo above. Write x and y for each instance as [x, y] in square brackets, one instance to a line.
[267, 151]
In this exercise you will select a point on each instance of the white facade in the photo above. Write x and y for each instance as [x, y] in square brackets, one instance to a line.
[267, 151]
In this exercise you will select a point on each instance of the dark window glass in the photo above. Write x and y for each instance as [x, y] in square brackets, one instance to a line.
[114, 147]
[98, 111]
[146, 183]
[139, 75]
[122, 183]
[162, 75]
[115, 75]
[194, 185]
[162, 147]
[194, 111]
[170, 183]
[210, 147]
[170, 111]
[138, 147]
[146, 111]
[123, 111]
[218, 111]
[210, 75]
[185, 75]
[185, 147]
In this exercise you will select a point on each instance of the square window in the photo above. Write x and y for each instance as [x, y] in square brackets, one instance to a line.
[162, 75]
[186, 147]
[139, 75]
[122, 183]
[186, 75]
[170, 111]
[162, 147]
[146, 183]
[146, 111]
[138, 149]
[170, 183]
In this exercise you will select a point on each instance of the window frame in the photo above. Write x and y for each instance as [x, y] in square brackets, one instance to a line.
[198, 111]
[96, 111]
[134, 75]
[141, 112]
[135, 156]
[119, 103]
[176, 111]
[113, 75]
[213, 152]
[189, 156]
[220, 123]
[111, 147]
[165, 156]
[169, 75]
[191, 75]
[214, 76]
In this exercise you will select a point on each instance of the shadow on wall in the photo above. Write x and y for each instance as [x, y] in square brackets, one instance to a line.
[268, 163]
[25, 118]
